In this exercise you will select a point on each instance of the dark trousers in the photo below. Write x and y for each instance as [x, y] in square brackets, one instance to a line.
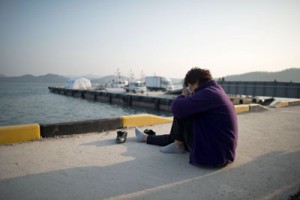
[181, 130]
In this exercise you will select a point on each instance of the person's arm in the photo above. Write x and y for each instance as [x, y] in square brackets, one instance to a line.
[184, 106]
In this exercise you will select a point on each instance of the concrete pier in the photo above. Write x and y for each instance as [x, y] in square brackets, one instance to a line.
[161, 102]
[93, 166]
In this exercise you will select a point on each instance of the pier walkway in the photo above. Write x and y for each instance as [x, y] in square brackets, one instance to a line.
[93, 166]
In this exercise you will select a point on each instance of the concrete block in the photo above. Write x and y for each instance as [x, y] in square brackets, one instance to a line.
[121, 99]
[246, 101]
[77, 93]
[279, 104]
[241, 108]
[143, 104]
[19, 133]
[90, 95]
[257, 108]
[295, 102]
[235, 100]
[79, 127]
[69, 92]
[165, 107]
[144, 120]
[103, 98]
[62, 91]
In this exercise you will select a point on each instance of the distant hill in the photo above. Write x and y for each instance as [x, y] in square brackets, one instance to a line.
[53, 78]
[288, 75]
[50, 78]
[88, 76]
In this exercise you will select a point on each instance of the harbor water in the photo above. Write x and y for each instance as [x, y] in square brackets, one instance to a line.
[23, 103]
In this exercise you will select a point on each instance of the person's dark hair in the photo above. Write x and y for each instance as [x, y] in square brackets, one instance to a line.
[197, 74]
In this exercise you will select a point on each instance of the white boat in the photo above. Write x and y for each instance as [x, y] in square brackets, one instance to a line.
[116, 86]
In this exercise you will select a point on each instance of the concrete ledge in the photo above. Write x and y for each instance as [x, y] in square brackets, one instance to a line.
[279, 104]
[241, 108]
[88, 126]
[257, 108]
[294, 102]
[19, 133]
[144, 120]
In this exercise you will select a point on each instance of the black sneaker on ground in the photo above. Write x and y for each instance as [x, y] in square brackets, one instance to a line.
[121, 137]
[149, 132]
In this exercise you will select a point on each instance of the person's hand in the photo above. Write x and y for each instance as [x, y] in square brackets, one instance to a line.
[185, 92]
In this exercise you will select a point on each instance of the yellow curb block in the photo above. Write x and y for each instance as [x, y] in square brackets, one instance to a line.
[144, 120]
[280, 104]
[19, 133]
[241, 108]
[295, 102]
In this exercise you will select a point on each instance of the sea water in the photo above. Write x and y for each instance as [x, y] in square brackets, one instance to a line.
[23, 103]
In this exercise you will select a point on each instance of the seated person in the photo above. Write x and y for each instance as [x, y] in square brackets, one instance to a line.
[205, 123]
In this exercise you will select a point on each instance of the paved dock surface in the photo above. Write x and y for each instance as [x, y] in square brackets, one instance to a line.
[92, 166]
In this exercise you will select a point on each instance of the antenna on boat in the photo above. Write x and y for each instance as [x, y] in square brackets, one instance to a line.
[142, 76]
[131, 75]
[118, 73]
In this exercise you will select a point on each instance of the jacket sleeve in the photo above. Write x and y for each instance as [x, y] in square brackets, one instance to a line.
[186, 106]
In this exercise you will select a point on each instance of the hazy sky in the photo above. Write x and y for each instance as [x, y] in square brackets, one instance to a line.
[162, 37]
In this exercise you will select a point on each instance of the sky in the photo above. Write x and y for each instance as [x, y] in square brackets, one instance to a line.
[150, 37]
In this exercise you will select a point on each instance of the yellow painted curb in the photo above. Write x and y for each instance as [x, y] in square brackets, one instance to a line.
[19, 133]
[144, 120]
[280, 104]
[241, 108]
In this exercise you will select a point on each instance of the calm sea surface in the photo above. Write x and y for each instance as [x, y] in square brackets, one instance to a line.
[23, 103]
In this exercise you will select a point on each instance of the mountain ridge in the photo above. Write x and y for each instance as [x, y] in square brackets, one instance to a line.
[52, 78]
[287, 75]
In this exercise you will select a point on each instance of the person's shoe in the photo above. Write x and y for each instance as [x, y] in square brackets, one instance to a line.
[172, 148]
[140, 136]
[121, 137]
[149, 132]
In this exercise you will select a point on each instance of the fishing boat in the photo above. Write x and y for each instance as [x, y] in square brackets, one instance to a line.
[116, 86]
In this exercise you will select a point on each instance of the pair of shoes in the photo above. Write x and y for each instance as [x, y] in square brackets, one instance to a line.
[149, 132]
[121, 137]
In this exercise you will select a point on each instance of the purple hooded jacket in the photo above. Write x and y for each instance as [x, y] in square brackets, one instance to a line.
[215, 130]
